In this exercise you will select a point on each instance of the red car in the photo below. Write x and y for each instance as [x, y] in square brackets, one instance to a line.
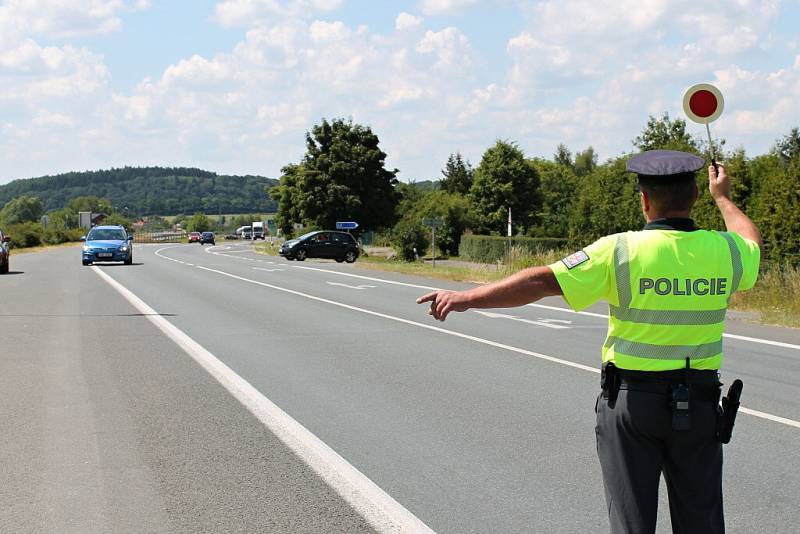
[194, 237]
[4, 262]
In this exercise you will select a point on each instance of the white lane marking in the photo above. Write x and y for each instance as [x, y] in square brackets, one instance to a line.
[379, 509]
[557, 308]
[362, 286]
[769, 416]
[511, 348]
[764, 341]
[493, 315]
[546, 307]
[383, 280]
[562, 321]
[267, 270]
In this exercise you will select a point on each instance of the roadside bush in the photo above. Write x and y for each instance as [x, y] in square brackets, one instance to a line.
[56, 236]
[407, 235]
[25, 235]
[491, 248]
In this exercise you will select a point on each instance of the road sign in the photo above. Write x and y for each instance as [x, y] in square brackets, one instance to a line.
[703, 103]
[346, 225]
[433, 222]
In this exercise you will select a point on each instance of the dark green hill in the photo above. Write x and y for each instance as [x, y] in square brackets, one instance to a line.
[151, 190]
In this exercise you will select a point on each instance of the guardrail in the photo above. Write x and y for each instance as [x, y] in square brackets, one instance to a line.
[159, 237]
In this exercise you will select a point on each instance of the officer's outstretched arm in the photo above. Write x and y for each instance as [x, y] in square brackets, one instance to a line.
[518, 289]
[719, 185]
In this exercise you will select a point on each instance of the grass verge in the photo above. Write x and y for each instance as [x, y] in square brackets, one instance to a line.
[776, 296]
[42, 248]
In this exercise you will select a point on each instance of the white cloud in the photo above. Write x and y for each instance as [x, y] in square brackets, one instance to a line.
[582, 72]
[329, 31]
[61, 18]
[444, 7]
[248, 12]
[405, 21]
[450, 46]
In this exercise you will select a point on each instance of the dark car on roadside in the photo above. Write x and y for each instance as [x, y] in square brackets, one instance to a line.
[194, 237]
[339, 246]
[207, 237]
[107, 243]
[5, 262]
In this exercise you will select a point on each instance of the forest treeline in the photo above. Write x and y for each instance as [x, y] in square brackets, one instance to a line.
[571, 196]
[141, 191]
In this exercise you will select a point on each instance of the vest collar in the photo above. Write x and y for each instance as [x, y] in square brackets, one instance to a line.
[683, 224]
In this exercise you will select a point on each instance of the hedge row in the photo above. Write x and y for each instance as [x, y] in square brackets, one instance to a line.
[491, 248]
[29, 234]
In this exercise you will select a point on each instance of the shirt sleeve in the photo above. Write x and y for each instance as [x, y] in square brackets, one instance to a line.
[751, 260]
[585, 276]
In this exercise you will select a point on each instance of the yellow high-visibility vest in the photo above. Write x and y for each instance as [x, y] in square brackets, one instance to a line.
[668, 292]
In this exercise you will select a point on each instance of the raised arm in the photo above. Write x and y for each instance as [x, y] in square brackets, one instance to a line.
[521, 288]
[719, 185]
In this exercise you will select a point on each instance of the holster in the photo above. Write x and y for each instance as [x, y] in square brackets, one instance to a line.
[609, 382]
[726, 412]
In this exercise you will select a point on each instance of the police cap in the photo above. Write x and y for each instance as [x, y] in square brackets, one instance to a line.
[665, 166]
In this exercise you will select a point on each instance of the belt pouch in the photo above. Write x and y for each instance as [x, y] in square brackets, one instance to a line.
[680, 407]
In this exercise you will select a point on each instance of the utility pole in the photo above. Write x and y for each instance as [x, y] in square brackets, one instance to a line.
[508, 251]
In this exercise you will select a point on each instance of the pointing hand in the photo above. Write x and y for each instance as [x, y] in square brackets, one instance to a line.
[443, 302]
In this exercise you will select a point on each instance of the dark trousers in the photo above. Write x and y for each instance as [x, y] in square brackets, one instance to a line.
[636, 443]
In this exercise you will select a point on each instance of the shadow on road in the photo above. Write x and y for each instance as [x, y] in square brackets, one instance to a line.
[116, 264]
[14, 272]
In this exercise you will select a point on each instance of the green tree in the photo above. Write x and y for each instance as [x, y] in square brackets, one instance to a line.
[454, 211]
[118, 218]
[22, 209]
[563, 156]
[607, 203]
[776, 207]
[788, 148]
[199, 223]
[585, 162]
[666, 134]
[90, 203]
[505, 180]
[342, 178]
[458, 175]
[705, 211]
[287, 194]
[409, 238]
[559, 188]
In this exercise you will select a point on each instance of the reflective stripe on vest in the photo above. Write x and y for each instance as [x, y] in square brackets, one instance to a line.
[625, 313]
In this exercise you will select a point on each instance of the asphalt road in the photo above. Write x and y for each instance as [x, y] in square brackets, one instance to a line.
[484, 423]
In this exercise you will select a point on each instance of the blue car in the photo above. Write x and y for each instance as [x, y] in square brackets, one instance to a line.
[107, 243]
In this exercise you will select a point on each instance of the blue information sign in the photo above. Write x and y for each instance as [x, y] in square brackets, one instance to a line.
[346, 225]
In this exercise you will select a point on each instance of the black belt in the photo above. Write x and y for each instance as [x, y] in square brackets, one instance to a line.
[704, 384]
[699, 392]
[678, 376]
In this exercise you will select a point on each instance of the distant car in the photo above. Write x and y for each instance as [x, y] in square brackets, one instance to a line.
[207, 237]
[339, 246]
[107, 243]
[231, 236]
[5, 261]
[194, 237]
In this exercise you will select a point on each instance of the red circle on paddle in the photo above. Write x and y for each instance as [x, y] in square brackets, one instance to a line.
[703, 103]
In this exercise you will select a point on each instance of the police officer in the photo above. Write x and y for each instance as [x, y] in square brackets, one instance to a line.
[668, 287]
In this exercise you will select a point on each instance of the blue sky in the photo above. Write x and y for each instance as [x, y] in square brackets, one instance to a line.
[233, 85]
